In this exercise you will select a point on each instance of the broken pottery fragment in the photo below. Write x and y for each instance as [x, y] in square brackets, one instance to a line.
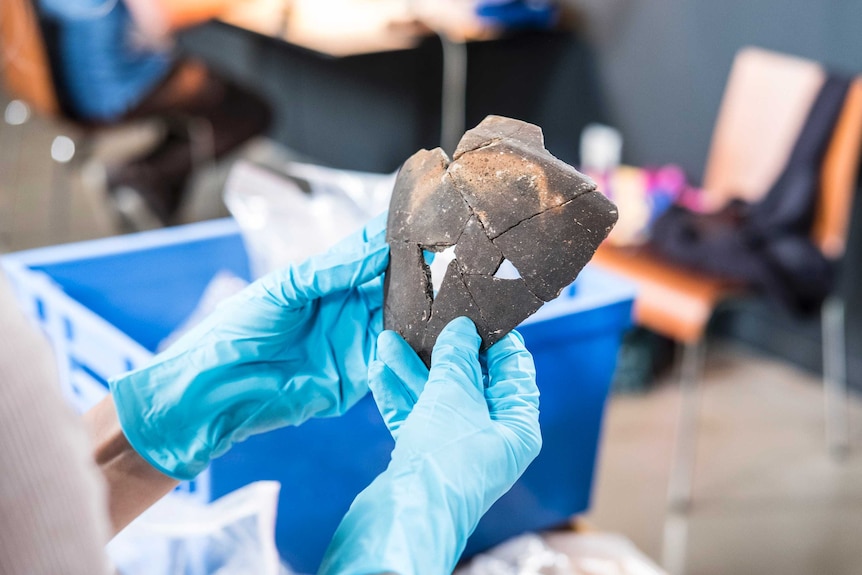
[453, 300]
[408, 299]
[523, 224]
[425, 208]
[555, 261]
[503, 304]
[475, 252]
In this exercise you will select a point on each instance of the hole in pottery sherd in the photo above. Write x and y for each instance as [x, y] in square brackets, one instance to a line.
[507, 271]
[438, 262]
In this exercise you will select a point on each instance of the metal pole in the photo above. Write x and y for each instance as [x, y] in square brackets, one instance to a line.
[835, 377]
[682, 469]
[453, 107]
[674, 545]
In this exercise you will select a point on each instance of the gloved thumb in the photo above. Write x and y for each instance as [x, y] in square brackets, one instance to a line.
[396, 379]
[455, 357]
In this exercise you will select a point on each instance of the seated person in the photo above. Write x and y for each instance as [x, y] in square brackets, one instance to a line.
[111, 63]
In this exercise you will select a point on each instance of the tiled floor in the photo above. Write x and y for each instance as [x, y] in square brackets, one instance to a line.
[44, 202]
[767, 498]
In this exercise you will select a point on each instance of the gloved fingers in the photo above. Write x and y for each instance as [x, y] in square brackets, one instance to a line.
[396, 379]
[403, 362]
[356, 260]
[387, 393]
[375, 326]
[512, 375]
[455, 357]
[370, 296]
[512, 396]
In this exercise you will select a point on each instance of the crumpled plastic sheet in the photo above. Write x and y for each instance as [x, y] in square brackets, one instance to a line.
[234, 535]
[287, 217]
[563, 553]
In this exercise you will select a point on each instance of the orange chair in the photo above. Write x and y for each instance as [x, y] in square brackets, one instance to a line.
[763, 109]
[25, 61]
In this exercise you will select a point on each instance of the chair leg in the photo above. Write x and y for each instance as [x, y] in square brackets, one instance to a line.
[835, 377]
[674, 545]
[682, 467]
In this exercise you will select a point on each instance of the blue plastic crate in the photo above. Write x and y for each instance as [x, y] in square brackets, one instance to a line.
[106, 304]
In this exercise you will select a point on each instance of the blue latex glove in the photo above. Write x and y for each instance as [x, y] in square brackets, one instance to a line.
[459, 446]
[293, 345]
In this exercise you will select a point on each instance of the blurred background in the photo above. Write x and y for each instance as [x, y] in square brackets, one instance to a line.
[728, 133]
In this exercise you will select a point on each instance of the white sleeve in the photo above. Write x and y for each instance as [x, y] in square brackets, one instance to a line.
[53, 510]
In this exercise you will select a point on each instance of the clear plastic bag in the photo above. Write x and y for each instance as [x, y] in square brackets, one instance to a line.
[563, 553]
[234, 535]
[524, 555]
[287, 217]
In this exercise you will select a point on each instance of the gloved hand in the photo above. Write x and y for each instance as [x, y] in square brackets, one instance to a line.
[459, 446]
[293, 345]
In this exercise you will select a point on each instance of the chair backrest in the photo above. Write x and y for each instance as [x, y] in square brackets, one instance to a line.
[23, 57]
[764, 107]
[765, 104]
[839, 176]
